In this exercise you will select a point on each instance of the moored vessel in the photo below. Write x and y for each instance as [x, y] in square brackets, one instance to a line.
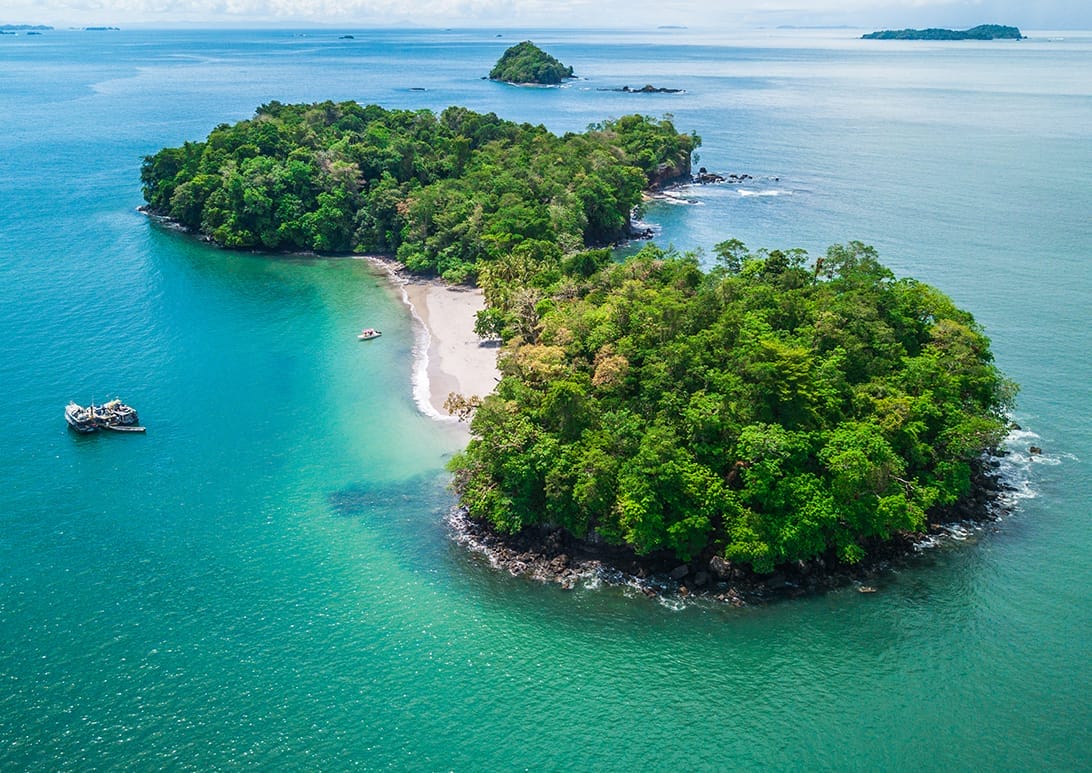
[368, 333]
[114, 415]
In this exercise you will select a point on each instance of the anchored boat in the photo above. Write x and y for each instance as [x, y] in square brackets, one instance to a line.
[368, 333]
[114, 415]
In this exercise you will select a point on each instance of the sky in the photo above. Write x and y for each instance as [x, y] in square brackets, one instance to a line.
[696, 14]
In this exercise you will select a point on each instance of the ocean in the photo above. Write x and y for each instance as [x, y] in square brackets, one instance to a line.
[266, 578]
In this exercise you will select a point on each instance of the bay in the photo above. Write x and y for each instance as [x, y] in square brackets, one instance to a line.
[266, 579]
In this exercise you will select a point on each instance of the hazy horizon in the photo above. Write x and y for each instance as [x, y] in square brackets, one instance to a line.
[561, 14]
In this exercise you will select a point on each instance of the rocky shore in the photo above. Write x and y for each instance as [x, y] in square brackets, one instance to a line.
[552, 555]
[648, 88]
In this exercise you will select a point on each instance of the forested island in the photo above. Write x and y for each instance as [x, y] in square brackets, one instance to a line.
[981, 32]
[446, 194]
[770, 412]
[526, 63]
[773, 411]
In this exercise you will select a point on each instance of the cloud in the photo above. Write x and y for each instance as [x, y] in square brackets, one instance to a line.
[698, 14]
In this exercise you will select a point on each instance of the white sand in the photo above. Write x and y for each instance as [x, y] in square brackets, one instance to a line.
[454, 359]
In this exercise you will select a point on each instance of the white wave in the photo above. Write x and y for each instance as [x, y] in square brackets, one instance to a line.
[744, 193]
[674, 603]
[422, 387]
[592, 582]
[1021, 436]
[675, 197]
[422, 340]
[684, 202]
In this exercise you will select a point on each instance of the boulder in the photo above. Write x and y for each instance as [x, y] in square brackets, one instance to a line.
[721, 567]
[680, 571]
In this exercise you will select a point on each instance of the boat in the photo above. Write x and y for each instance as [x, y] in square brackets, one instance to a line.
[79, 418]
[114, 415]
[124, 428]
[368, 333]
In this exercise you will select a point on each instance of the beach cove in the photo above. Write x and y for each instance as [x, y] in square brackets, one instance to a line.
[450, 357]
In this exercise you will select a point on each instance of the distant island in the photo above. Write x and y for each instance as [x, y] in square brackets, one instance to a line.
[981, 32]
[22, 27]
[527, 63]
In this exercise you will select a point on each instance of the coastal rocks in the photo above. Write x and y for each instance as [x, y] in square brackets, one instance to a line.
[648, 88]
[705, 177]
[721, 567]
[551, 555]
[669, 174]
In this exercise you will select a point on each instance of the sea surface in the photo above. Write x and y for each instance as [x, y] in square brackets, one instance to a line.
[266, 580]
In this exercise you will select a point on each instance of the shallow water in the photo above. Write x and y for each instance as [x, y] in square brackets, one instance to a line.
[265, 577]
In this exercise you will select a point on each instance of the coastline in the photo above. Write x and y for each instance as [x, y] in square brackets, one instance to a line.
[448, 355]
[552, 556]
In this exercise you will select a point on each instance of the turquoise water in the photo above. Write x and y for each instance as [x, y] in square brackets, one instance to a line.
[265, 579]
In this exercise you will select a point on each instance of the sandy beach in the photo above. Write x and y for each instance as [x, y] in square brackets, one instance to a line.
[451, 357]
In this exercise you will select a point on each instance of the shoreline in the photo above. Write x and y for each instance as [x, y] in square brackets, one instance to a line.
[553, 557]
[447, 355]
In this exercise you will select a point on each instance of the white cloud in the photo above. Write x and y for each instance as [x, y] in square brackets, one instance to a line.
[559, 13]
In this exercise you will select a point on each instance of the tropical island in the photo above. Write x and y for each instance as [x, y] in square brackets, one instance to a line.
[771, 414]
[768, 413]
[526, 63]
[981, 32]
[446, 194]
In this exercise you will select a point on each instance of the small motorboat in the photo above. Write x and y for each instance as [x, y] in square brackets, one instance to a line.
[368, 333]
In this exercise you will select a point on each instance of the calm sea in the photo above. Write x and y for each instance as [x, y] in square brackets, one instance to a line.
[265, 579]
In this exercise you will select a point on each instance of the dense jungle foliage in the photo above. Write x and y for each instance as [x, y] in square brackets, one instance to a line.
[765, 411]
[445, 193]
[527, 63]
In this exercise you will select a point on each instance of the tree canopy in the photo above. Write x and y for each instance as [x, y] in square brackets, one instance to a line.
[446, 193]
[981, 32]
[765, 411]
[527, 63]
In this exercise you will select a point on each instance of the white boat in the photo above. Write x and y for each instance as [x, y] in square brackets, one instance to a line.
[368, 333]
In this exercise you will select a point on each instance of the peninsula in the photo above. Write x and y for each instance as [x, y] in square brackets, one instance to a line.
[526, 63]
[772, 414]
[981, 32]
[446, 194]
